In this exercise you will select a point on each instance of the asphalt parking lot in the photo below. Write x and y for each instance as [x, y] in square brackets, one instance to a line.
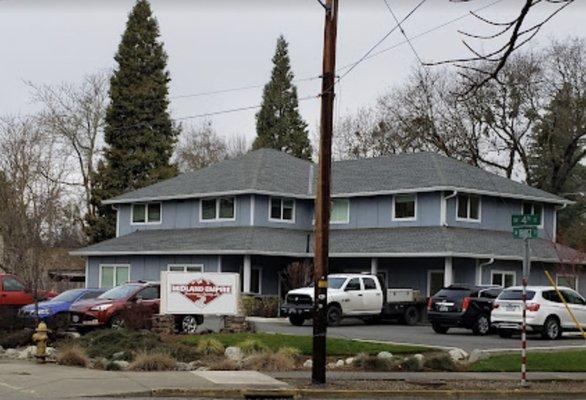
[419, 334]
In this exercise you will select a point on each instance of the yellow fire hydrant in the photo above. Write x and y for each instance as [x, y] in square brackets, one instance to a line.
[40, 337]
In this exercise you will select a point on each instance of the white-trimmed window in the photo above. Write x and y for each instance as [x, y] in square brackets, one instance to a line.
[468, 208]
[530, 208]
[503, 279]
[220, 209]
[146, 213]
[281, 210]
[185, 268]
[567, 280]
[340, 211]
[114, 275]
[405, 207]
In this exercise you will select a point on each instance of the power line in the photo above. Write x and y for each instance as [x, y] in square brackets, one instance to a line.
[403, 31]
[381, 40]
[236, 89]
[427, 32]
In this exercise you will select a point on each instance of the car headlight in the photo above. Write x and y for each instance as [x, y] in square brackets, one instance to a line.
[101, 307]
[43, 311]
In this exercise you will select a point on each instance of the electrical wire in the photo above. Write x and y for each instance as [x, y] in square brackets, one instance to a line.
[403, 31]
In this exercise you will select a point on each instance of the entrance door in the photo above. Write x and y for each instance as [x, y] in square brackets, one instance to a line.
[435, 282]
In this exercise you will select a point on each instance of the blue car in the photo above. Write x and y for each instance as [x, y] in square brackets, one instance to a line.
[55, 312]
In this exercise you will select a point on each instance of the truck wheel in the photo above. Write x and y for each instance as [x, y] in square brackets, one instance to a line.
[189, 324]
[296, 320]
[505, 333]
[481, 326]
[334, 315]
[551, 329]
[437, 328]
[411, 316]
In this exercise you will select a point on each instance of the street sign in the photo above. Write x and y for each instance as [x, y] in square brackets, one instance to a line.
[526, 220]
[525, 232]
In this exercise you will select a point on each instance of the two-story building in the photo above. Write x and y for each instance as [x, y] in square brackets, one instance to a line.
[422, 220]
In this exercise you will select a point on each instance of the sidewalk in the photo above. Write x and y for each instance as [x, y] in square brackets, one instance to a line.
[28, 380]
[25, 380]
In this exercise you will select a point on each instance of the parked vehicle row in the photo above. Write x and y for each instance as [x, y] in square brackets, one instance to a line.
[484, 309]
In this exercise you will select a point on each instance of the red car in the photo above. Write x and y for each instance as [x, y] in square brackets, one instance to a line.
[114, 306]
[15, 294]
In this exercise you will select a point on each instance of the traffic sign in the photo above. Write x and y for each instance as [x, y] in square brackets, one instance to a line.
[526, 220]
[525, 232]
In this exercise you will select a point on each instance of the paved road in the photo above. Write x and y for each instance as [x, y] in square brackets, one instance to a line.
[421, 334]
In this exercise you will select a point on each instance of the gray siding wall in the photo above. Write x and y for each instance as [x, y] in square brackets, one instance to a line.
[496, 215]
[146, 267]
[181, 214]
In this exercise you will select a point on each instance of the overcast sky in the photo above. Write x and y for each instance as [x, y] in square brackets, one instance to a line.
[221, 44]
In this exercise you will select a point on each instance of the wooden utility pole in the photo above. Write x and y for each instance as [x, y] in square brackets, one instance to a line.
[322, 201]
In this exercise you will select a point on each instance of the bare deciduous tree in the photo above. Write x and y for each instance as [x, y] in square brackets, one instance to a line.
[75, 114]
[201, 146]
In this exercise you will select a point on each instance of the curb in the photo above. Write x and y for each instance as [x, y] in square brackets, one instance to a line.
[359, 394]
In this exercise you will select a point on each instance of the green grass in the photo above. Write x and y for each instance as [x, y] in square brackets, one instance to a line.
[563, 361]
[335, 347]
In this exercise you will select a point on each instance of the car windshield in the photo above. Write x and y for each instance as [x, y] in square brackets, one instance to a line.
[119, 292]
[515, 294]
[68, 296]
[453, 293]
[336, 283]
[333, 283]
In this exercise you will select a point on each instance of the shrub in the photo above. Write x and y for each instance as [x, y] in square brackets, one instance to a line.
[291, 352]
[104, 343]
[440, 362]
[252, 346]
[136, 317]
[209, 347]
[223, 365]
[100, 363]
[18, 338]
[73, 356]
[269, 361]
[152, 362]
[260, 306]
[9, 320]
[112, 366]
[372, 363]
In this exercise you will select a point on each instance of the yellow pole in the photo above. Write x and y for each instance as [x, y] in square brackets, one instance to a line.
[550, 279]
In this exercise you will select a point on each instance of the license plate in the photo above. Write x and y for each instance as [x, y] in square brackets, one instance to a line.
[511, 307]
[443, 308]
[91, 322]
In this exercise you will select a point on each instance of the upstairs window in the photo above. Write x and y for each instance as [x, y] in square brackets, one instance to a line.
[217, 209]
[534, 209]
[404, 207]
[468, 208]
[340, 211]
[146, 213]
[282, 209]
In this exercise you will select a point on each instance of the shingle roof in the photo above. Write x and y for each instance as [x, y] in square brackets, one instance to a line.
[375, 242]
[273, 172]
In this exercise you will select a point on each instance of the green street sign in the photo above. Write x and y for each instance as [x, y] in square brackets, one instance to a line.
[526, 220]
[525, 232]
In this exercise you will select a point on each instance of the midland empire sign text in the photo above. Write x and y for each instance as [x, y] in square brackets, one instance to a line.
[201, 291]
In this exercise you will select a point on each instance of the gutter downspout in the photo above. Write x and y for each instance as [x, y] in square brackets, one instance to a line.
[444, 208]
[479, 270]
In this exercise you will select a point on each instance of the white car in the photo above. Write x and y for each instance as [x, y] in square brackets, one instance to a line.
[546, 313]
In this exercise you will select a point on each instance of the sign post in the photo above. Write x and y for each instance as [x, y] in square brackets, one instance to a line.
[525, 227]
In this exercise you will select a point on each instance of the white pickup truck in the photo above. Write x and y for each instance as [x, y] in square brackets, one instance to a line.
[359, 296]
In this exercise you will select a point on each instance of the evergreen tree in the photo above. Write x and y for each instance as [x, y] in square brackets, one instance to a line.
[139, 133]
[278, 123]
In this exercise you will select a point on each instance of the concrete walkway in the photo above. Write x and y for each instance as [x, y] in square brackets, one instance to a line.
[25, 380]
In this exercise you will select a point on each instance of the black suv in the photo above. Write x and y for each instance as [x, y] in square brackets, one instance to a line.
[462, 306]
